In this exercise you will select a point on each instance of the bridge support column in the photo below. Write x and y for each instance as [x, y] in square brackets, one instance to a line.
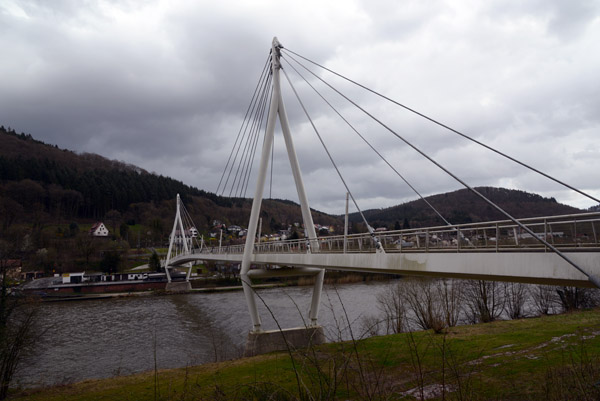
[304, 206]
[258, 194]
[316, 298]
[277, 108]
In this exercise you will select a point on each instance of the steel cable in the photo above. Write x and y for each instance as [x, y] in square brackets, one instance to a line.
[249, 138]
[261, 115]
[327, 151]
[260, 79]
[449, 128]
[371, 146]
[592, 278]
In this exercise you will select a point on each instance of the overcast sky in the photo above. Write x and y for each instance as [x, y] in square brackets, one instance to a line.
[165, 85]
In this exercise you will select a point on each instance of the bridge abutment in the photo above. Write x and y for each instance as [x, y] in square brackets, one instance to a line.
[262, 342]
[178, 286]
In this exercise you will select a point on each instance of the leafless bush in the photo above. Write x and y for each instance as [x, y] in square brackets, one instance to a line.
[572, 298]
[417, 350]
[370, 326]
[543, 297]
[454, 376]
[391, 304]
[428, 303]
[18, 331]
[450, 292]
[17, 335]
[371, 381]
[423, 299]
[515, 295]
[576, 378]
[484, 300]
[461, 375]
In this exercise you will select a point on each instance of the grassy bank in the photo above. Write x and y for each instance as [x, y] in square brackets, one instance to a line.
[550, 358]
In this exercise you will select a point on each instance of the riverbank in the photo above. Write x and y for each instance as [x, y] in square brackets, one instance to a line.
[550, 358]
[109, 295]
[98, 291]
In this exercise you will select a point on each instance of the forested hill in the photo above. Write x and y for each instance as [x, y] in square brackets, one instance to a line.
[84, 185]
[43, 182]
[462, 206]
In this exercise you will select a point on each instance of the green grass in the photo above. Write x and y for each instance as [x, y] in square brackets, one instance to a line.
[538, 358]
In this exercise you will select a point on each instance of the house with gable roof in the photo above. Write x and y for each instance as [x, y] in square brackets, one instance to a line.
[99, 230]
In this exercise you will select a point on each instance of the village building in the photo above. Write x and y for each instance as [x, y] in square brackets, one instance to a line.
[99, 230]
[32, 275]
[234, 229]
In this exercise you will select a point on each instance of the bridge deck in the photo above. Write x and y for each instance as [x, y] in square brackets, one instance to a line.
[491, 250]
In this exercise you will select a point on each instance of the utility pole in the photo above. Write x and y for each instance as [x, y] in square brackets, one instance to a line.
[346, 224]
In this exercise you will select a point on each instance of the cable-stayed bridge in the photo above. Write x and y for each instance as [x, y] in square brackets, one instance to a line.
[561, 250]
[498, 250]
[490, 251]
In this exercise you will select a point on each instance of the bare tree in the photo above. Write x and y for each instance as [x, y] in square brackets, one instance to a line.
[424, 300]
[572, 298]
[484, 300]
[451, 298]
[17, 316]
[113, 216]
[515, 295]
[391, 304]
[430, 304]
[543, 297]
[370, 326]
[86, 246]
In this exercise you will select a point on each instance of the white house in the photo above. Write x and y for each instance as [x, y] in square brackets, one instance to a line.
[99, 230]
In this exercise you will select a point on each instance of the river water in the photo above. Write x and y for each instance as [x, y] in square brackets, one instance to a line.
[105, 338]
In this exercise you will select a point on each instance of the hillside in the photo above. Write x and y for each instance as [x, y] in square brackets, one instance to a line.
[462, 206]
[73, 185]
[41, 181]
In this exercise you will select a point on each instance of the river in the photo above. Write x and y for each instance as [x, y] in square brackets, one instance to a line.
[121, 336]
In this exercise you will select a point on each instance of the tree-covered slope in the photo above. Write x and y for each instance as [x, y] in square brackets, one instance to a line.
[463, 206]
[62, 185]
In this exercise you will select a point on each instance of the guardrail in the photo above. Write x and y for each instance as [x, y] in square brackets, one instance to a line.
[570, 232]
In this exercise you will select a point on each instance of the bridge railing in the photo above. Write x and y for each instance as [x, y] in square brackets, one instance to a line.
[574, 232]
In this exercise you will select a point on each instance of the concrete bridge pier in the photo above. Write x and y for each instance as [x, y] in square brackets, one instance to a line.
[178, 286]
[262, 342]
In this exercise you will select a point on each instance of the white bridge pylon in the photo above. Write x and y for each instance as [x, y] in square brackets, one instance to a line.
[180, 242]
[277, 109]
